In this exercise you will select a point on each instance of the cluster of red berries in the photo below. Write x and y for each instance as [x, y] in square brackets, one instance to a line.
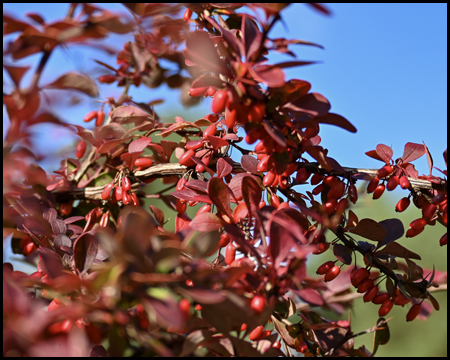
[195, 145]
[120, 192]
[378, 189]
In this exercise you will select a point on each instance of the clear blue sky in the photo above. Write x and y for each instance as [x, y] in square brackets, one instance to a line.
[384, 68]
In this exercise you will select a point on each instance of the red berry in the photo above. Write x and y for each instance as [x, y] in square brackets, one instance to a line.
[404, 182]
[81, 149]
[198, 307]
[316, 179]
[443, 240]
[269, 178]
[143, 163]
[126, 198]
[332, 273]
[107, 191]
[365, 285]
[204, 209]
[318, 189]
[330, 206]
[418, 224]
[100, 118]
[402, 205]
[413, 312]
[181, 206]
[210, 130]
[196, 92]
[257, 112]
[187, 14]
[392, 183]
[401, 300]
[107, 79]
[186, 160]
[373, 183]
[370, 294]
[276, 345]
[211, 91]
[185, 307]
[258, 303]
[194, 145]
[91, 115]
[243, 327]
[118, 193]
[323, 269]
[386, 307]
[224, 240]
[275, 201]
[134, 199]
[380, 298]
[66, 208]
[126, 184]
[302, 175]
[359, 276]
[263, 164]
[219, 101]
[321, 248]
[413, 232]
[430, 211]
[378, 191]
[104, 221]
[230, 253]
[385, 171]
[256, 333]
[353, 194]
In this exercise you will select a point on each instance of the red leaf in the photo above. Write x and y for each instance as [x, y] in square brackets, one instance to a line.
[337, 120]
[312, 104]
[251, 36]
[394, 230]
[429, 158]
[384, 152]
[84, 251]
[206, 222]
[216, 142]
[129, 114]
[395, 249]
[74, 81]
[412, 152]
[111, 144]
[369, 229]
[189, 195]
[275, 134]
[249, 163]
[310, 296]
[270, 75]
[159, 214]
[288, 64]
[373, 154]
[130, 158]
[223, 167]
[410, 170]
[139, 144]
[343, 253]
[251, 191]
[220, 194]
[198, 161]
[236, 183]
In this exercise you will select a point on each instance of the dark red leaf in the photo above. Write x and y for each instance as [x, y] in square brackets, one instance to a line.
[130, 158]
[384, 152]
[223, 168]
[236, 183]
[74, 81]
[275, 134]
[412, 152]
[251, 191]
[395, 249]
[129, 114]
[216, 142]
[204, 296]
[200, 162]
[373, 154]
[85, 249]
[251, 36]
[139, 144]
[369, 229]
[111, 144]
[206, 222]
[343, 253]
[394, 230]
[310, 296]
[270, 75]
[16, 73]
[249, 163]
[312, 104]
[320, 8]
[288, 64]
[51, 261]
[429, 158]
[220, 194]
[98, 351]
[410, 170]
[189, 195]
[197, 185]
[159, 214]
[337, 120]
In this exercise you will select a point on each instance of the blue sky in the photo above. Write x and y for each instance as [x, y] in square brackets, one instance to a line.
[384, 68]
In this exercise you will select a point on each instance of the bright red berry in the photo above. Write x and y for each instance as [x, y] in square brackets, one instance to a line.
[302, 175]
[430, 211]
[373, 183]
[413, 232]
[256, 333]
[269, 178]
[143, 163]
[353, 194]
[91, 115]
[126, 184]
[386, 307]
[365, 285]
[100, 118]
[385, 171]
[404, 182]
[230, 253]
[370, 294]
[107, 191]
[187, 14]
[378, 191]
[359, 276]
[323, 269]
[81, 149]
[276, 345]
[413, 312]
[402, 205]
[219, 101]
[186, 160]
[210, 130]
[198, 91]
[443, 240]
[107, 79]
[418, 224]
[258, 304]
[332, 273]
[380, 298]
[392, 183]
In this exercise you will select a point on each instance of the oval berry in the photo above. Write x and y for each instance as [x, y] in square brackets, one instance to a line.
[275, 200]
[91, 115]
[126, 184]
[318, 189]
[332, 273]
[413, 232]
[392, 183]
[118, 193]
[230, 254]
[404, 182]
[269, 178]
[100, 118]
[365, 285]
[231, 119]
[276, 345]
[256, 333]
[413, 312]
[401, 299]
[194, 144]
[353, 194]
[257, 112]
[185, 307]
[211, 91]
[370, 294]
[204, 209]
[418, 223]
[258, 303]
[107, 191]
[126, 198]
[380, 298]
[430, 211]
[443, 240]
[107, 79]
[373, 183]
[219, 101]
[359, 276]
[316, 179]
[196, 92]
[134, 199]
[81, 149]
[386, 307]
[323, 269]
[210, 130]
[186, 160]
[378, 191]
[187, 14]
[402, 205]
[385, 171]
[181, 206]
[263, 164]
[143, 163]
[302, 175]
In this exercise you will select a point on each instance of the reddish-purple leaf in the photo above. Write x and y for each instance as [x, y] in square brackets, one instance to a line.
[394, 230]
[249, 163]
[270, 75]
[337, 120]
[236, 183]
[189, 195]
[73, 219]
[395, 249]
[111, 144]
[429, 158]
[85, 249]
[369, 229]
[206, 222]
[317, 153]
[197, 185]
[410, 170]
[139, 144]
[251, 191]
[16, 73]
[343, 253]
[204, 296]
[130, 158]
[51, 261]
[288, 64]
[98, 351]
[220, 194]
[374, 155]
[384, 152]
[74, 81]
[216, 142]
[275, 134]
[159, 214]
[310, 296]
[129, 114]
[312, 104]
[412, 152]
[198, 161]
[223, 167]
[251, 36]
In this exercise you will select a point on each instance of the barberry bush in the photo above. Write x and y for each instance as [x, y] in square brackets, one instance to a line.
[118, 277]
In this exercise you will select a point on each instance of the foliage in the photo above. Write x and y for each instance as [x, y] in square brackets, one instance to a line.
[112, 279]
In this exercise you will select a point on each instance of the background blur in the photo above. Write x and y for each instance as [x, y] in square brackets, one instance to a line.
[384, 68]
